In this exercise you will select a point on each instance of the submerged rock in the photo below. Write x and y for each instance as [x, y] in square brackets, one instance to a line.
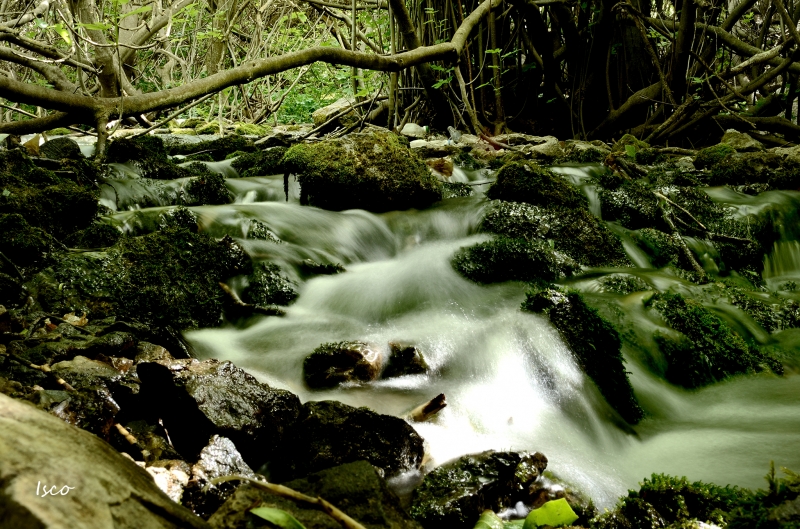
[456, 493]
[199, 399]
[355, 488]
[595, 344]
[530, 183]
[371, 171]
[329, 433]
[93, 486]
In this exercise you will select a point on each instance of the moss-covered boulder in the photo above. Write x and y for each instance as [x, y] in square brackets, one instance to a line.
[268, 286]
[711, 156]
[517, 259]
[575, 232]
[632, 204]
[250, 129]
[21, 242]
[370, 171]
[531, 183]
[750, 168]
[207, 189]
[169, 277]
[456, 493]
[59, 148]
[595, 344]
[215, 150]
[260, 163]
[706, 350]
[149, 154]
[629, 140]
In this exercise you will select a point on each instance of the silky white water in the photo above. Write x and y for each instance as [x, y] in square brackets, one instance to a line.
[509, 379]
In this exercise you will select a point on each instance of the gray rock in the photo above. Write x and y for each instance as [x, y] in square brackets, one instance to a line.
[741, 141]
[59, 148]
[321, 115]
[544, 148]
[355, 488]
[108, 490]
[433, 148]
[412, 130]
[171, 476]
[329, 433]
[199, 399]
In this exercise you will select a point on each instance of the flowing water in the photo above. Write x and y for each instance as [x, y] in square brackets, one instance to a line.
[509, 379]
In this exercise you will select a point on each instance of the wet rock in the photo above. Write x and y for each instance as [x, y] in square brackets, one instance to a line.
[513, 259]
[710, 156]
[268, 286]
[528, 182]
[218, 458]
[148, 154]
[59, 148]
[756, 167]
[107, 489]
[456, 189]
[309, 268]
[171, 476]
[456, 493]
[355, 488]
[404, 359]
[575, 232]
[199, 399]
[546, 148]
[595, 344]
[334, 363]
[585, 151]
[329, 433]
[218, 149]
[207, 189]
[741, 141]
[371, 171]
[412, 130]
[21, 242]
[260, 163]
[321, 115]
[96, 235]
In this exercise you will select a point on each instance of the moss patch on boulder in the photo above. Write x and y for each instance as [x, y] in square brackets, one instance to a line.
[711, 156]
[367, 171]
[595, 344]
[267, 286]
[148, 154]
[216, 150]
[531, 183]
[707, 350]
[260, 163]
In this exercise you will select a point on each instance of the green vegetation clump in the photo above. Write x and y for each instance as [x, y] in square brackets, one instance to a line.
[369, 171]
[711, 156]
[260, 163]
[575, 232]
[212, 127]
[528, 182]
[217, 149]
[648, 156]
[498, 161]
[96, 235]
[169, 277]
[456, 189]
[662, 248]
[595, 344]
[180, 218]
[507, 259]
[268, 287]
[208, 189]
[708, 350]
[59, 131]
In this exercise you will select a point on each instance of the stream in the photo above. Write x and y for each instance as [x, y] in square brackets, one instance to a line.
[510, 381]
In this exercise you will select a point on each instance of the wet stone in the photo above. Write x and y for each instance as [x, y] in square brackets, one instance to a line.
[334, 363]
[59, 148]
[404, 359]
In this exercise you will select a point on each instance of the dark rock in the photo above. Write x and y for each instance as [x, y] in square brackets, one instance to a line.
[334, 363]
[107, 489]
[11, 292]
[180, 218]
[218, 458]
[260, 163]
[207, 189]
[329, 433]
[595, 344]
[456, 493]
[404, 359]
[59, 148]
[148, 154]
[355, 488]
[507, 259]
[199, 399]
[267, 286]
[456, 189]
[366, 171]
[632, 204]
[756, 167]
[309, 268]
[575, 232]
[530, 183]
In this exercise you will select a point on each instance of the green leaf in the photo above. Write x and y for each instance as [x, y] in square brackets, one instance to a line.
[41, 23]
[555, 513]
[442, 82]
[138, 10]
[282, 519]
[630, 150]
[496, 50]
[489, 520]
[63, 33]
[6, 192]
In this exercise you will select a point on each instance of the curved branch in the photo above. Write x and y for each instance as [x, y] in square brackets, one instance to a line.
[51, 73]
[31, 126]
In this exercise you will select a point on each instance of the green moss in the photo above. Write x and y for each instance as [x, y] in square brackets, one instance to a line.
[575, 232]
[629, 139]
[260, 163]
[456, 189]
[208, 189]
[746, 168]
[60, 131]
[216, 150]
[148, 154]
[192, 123]
[648, 156]
[96, 235]
[250, 129]
[528, 182]
[708, 350]
[180, 218]
[268, 287]
[595, 344]
[587, 155]
[632, 204]
[208, 128]
[507, 259]
[496, 162]
[367, 171]
[710, 156]
[624, 284]
[22, 243]
[169, 277]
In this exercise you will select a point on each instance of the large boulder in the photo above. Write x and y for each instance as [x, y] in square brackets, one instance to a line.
[370, 171]
[741, 141]
[199, 399]
[321, 115]
[531, 183]
[456, 493]
[355, 488]
[93, 486]
[329, 433]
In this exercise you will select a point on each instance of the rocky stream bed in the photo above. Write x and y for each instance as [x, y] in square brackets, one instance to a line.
[272, 308]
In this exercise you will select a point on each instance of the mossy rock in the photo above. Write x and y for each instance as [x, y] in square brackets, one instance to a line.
[370, 171]
[169, 277]
[513, 259]
[96, 235]
[260, 163]
[595, 344]
[215, 150]
[250, 129]
[707, 350]
[663, 248]
[22, 243]
[574, 232]
[632, 204]
[212, 127]
[629, 139]
[267, 286]
[468, 162]
[648, 156]
[528, 182]
[710, 156]
[334, 363]
[207, 189]
[741, 169]
[456, 189]
[624, 284]
[772, 315]
[192, 123]
[148, 154]
[59, 148]
[59, 131]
